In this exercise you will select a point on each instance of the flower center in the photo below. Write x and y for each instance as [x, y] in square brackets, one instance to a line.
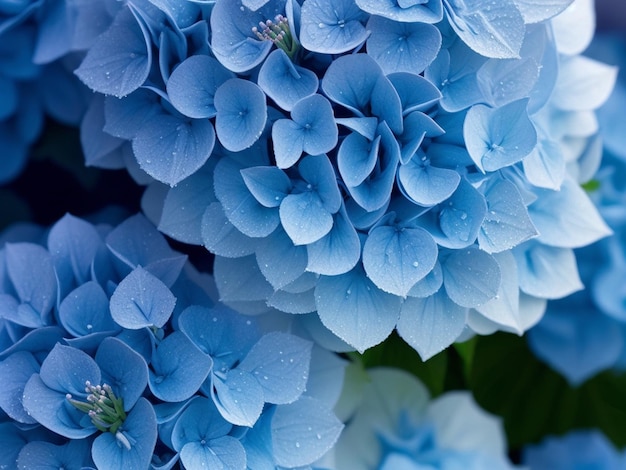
[279, 33]
[104, 408]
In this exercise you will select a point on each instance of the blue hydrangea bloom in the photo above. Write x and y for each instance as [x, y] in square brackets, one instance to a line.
[361, 160]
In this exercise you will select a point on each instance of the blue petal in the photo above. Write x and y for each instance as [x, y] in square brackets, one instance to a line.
[416, 93]
[331, 27]
[431, 324]
[232, 40]
[240, 280]
[504, 81]
[73, 244]
[355, 309]
[499, 137]
[425, 184]
[312, 130]
[356, 158]
[430, 284]
[304, 217]
[185, 205]
[193, 97]
[119, 62]
[85, 310]
[535, 11]
[567, 218]
[123, 369]
[293, 259]
[338, 251]
[268, 184]
[47, 456]
[366, 126]
[428, 11]
[124, 118]
[545, 166]
[241, 114]
[471, 277]
[396, 258]
[402, 47]
[16, 370]
[491, 30]
[280, 362]
[506, 222]
[139, 429]
[170, 148]
[240, 206]
[178, 368]
[141, 300]
[302, 432]
[238, 397]
[285, 82]
[39, 291]
[221, 237]
[319, 173]
[547, 272]
[290, 302]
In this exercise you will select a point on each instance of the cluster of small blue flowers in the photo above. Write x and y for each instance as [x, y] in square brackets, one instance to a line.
[369, 165]
[113, 355]
[585, 333]
[40, 45]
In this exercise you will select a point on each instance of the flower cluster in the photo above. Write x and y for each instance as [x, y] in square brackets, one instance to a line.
[370, 165]
[114, 355]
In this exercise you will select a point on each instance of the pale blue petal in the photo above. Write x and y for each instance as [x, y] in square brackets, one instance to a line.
[193, 97]
[268, 184]
[319, 173]
[396, 258]
[280, 261]
[416, 93]
[16, 370]
[241, 114]
[425, 184]
[141, 300]
[402, 47]
[280, 362]
[356, 158]
[303, 431]
[293, 302]
[223, 452]
[506, 223]
[567, 218]
[331, 27]
[221, 237]
[545, 166]
[505, 80]
[85, 310]
[535, 11]
[499, 137]
[354, 309]
[238, 397]
[430, 284]
[239, 279]
[304, 217]
[429, 11]
[285, 82]
[471, 277]
[431, 324]
[170, 148]
[493, 30]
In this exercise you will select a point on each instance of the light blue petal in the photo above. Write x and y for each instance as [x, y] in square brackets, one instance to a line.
[184, 207]
[241, 114]
[170, 149]
[285, 82]
[139, 429]
[338, 251]
[331, 27]
[567, 218]
[425, 184]
[416, 93]
[429, 11]
[280, 362]
[429, 284]
[431, 324]
[545, 166]
[504, 81]
[319, 173]
[124, 118]
[178, 368]
[547, 272]
[85, 310]
[297, 303]
[366, 126]
[350, 81]
[303, 431]
[356, 158]
[471, 277]
[47, 456]
[402, 47]
[199, 421]
[491, 30]
[221, 237]
[16, 370]
[124, 369]
[499, 137]
[223, 452]
[355, 309]
[239, 279]
[141, 300]
[240, 206]
[119, 61]
[280, 261]
[304, 217]
[268, 184]
[396, 258]
[32, 274]
[193, 97]
[535, 11]
[506, 223]
[238, 397]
